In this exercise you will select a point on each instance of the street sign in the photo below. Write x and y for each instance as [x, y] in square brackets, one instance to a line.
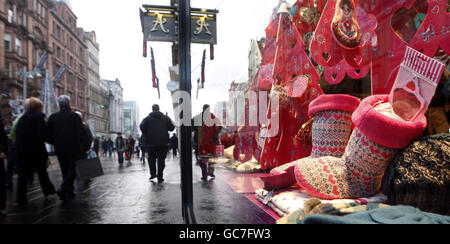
[203, 29]
[159, 23]
[158, 26]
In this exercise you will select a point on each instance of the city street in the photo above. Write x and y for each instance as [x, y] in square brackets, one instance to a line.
[126, 196]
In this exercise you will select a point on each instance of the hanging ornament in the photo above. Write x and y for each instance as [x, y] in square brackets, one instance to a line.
[343, 40]
[307, 15]
[296, 86]
[345, 27]
[434, 31]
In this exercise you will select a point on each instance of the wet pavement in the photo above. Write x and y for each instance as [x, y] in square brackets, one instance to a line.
[126, 196]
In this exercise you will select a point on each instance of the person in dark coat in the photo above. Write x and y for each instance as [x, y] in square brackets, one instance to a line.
[155, 129]
[66, 132]
[3, 155]
[86, 145]
[120, 148]
[174, 144]
[96, 146]
[110, 146]
[11, 167]
[104, 146]
[143, 148]
[32, 154]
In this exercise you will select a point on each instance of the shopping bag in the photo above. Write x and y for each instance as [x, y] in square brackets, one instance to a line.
[88, 168]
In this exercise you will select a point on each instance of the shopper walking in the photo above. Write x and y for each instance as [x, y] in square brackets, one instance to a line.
[3, 154]
[143, 149]
[155, 129]
[120, 148]
[174, 144]
[96, 146]
[206, 131]
[66, 132]
[12, 154]
[104, 143]
[32, 154]
[110, 146]
[130, 147]
[85, 146]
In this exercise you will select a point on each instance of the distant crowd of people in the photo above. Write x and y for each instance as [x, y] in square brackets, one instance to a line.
[23, 147]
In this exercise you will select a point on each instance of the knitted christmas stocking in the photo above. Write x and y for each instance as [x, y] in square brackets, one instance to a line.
[331, 130]
[377, 138]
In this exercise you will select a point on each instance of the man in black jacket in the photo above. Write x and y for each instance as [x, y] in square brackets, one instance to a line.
[155, 129]
[66, 132]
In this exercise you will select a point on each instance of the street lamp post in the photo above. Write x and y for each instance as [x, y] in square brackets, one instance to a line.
[28, 75]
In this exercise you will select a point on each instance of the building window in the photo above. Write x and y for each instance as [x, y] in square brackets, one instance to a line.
[58, 31]
[58, 52]
[18, 46]
[24, 20]
[8, 42]
[10, 15]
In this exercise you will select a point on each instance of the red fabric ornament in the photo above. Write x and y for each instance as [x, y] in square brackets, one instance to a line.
[296, 92]
[338, 59]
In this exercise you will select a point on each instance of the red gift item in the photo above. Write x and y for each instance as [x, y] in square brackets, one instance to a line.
[345, 27]
[388, 54]
[296, 84]
[434, 31]
[307, 15]
[338, 56]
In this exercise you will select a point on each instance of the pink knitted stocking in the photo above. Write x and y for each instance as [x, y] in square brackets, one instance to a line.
[373, 144]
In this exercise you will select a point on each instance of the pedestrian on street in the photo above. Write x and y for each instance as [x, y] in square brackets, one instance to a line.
[155, 129]
[96, 146]
[174, 145]
[12, 154]
[130, 147]
[143, 148]
[137, 150]
[120, 148]
[3, 155]
[32, 154]
[86, 145]
[110, 146]
[206, 130]
[104, 146]
[67, 133]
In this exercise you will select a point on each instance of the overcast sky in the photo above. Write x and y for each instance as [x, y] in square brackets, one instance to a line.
[119, 34]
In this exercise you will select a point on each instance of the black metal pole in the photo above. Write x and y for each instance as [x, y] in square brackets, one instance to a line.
[186, 130]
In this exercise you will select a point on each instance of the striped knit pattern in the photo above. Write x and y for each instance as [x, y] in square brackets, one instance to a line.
[356, 174]
[330, 133]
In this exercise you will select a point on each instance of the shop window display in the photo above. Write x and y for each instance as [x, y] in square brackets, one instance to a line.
[348, 107]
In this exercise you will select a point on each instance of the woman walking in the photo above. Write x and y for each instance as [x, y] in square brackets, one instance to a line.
[32, 154]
